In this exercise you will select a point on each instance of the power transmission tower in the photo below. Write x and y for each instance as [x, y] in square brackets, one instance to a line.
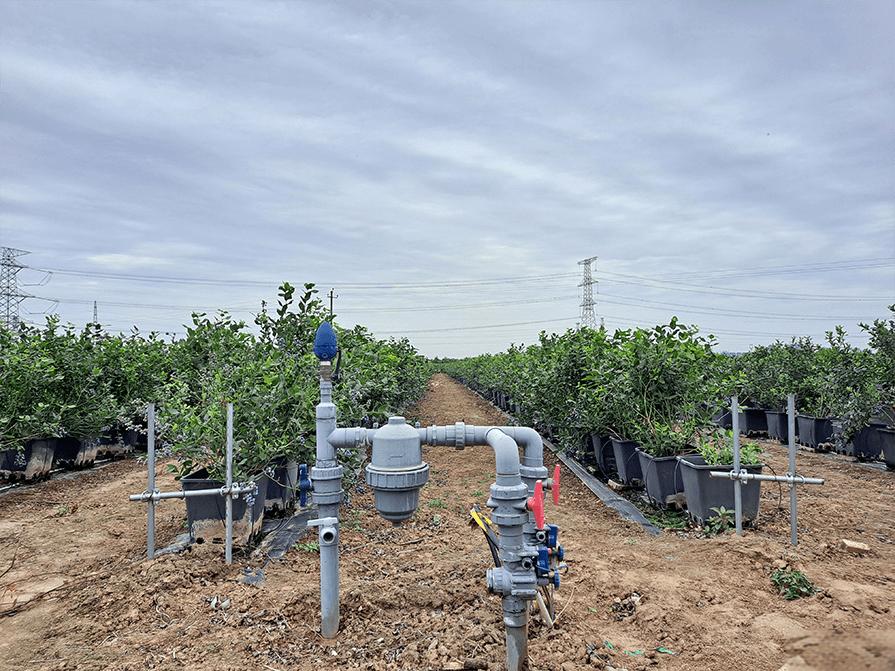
[588, 317]
[11, 294]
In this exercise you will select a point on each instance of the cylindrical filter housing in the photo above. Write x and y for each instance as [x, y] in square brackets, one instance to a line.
[396, 471]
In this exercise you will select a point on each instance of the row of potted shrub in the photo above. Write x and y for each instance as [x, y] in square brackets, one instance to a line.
[681, 479]
[874, 441]
[659, 388]
[844, 394]
[92, 385]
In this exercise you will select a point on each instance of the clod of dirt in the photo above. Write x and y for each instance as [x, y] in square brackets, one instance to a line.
[854, 547]
[626, 606]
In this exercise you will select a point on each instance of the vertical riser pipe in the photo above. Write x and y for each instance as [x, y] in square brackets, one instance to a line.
[517, 645]
[329, 582]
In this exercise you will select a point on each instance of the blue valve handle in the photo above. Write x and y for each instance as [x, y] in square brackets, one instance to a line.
[304, 485]
[552, 535]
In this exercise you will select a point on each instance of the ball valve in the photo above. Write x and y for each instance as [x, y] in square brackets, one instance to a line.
[396, 471]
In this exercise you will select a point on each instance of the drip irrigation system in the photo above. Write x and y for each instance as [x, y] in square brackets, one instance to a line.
[229, 491]
[528, 549]
[742, 476]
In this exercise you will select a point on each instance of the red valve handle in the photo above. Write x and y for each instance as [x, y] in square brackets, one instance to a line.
[536, 504]
[555, 487]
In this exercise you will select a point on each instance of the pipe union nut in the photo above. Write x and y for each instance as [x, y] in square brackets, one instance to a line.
[459, 436]
[498, 581]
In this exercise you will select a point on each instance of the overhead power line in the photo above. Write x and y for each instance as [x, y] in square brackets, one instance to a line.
[172, 279]
[639, 280]
[798, 269]
[476, 328]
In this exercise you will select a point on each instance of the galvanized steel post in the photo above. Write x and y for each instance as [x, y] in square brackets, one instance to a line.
[791, 427]
[228, 546]
[150, 481]
[737, 485]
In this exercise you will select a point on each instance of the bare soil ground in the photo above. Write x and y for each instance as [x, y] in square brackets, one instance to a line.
[414, 597]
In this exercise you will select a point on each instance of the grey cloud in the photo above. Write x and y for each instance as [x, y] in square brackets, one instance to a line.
[412, 142]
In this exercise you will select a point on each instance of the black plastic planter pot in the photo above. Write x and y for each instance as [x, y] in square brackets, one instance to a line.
[887, 443]
[753, 422]
[135, 439]
[815, 432]
[723, 419]
[604, 454]
[206, 515]
[282, 485]
[778, 425]
[868, 443]
[627, 465]
[113, 447]
[76, 453]
[661, 477]
[32, 462]
[704, 492]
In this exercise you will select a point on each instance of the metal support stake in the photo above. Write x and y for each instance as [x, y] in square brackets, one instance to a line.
[791, 427]
[737, 485]
[150, 481]
[228, 548]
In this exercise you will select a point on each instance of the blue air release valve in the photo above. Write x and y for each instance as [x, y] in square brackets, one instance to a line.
[304, 485]
[325, 345]
[552, 535]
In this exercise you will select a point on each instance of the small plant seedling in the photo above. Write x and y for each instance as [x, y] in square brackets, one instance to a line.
[668, 519]
[792, 584]
[309, 546]
[436, 520]
[436, 503]
[478, 493]
[722, 521]
[354, 522]
[62, 511]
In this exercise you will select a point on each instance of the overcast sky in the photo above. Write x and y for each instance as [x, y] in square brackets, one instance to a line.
[732, 163]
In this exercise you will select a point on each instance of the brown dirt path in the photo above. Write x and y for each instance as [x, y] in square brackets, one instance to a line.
[57, 535]
[414, 597]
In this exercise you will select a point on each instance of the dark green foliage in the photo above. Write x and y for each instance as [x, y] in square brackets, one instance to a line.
[657, 386]
[58, 382]
[792, 584]
[716, 447]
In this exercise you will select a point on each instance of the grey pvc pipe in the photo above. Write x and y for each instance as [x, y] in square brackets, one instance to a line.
[506, 456]
[328, 542]
[150, 481]
[791, 427]
[327, 496]
[326, 417]
[517, 648]
[228, 545]
[510, 544]
[527, 438]
[737, 485]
